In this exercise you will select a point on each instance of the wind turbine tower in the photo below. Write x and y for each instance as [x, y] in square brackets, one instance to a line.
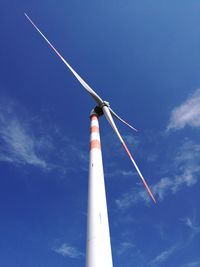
[98, 234]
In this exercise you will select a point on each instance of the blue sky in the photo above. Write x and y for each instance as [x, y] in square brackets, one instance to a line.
[142, 56]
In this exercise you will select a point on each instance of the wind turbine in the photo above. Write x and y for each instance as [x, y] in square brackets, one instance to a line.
[98, 235]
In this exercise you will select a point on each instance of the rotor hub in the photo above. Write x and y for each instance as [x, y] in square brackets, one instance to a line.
[105, 103]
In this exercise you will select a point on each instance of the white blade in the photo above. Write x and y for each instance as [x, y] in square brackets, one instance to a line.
[85, 85]
[119, 118]
[108, 116]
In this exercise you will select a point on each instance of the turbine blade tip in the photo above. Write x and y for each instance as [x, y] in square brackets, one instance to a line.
[154, 201]
[26, 16]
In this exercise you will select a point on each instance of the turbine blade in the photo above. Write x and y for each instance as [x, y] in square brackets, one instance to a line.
[108, 116]
[119, 118]
[84, 84]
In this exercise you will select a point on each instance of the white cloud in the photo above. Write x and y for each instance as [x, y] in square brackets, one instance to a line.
[188, 113]
[160, 190]
[185, 168]
[124, 247]
[127, 200]
[19, 145]
[192, 225]
[67, 250]
[26, 141]
[189, 222]
[192, 264]
[174, 184]
[163, 256]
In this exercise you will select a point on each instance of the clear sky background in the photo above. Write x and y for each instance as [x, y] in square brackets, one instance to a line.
[144, 57]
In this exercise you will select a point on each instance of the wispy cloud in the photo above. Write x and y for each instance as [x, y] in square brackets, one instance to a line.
[192, 264]
[184, 168]
[174, 184]
[192, 225]
[164, 187]
[67, 250]
[181, 245]
[163, 256]
[127, 200]
[28, 141]
[125, 247]
[188, 113]
[18, 143]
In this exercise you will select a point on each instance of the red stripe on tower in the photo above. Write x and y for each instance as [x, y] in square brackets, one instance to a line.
[94, 133]
[95, 144]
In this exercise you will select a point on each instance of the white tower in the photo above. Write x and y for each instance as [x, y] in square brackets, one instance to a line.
[98, 235]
